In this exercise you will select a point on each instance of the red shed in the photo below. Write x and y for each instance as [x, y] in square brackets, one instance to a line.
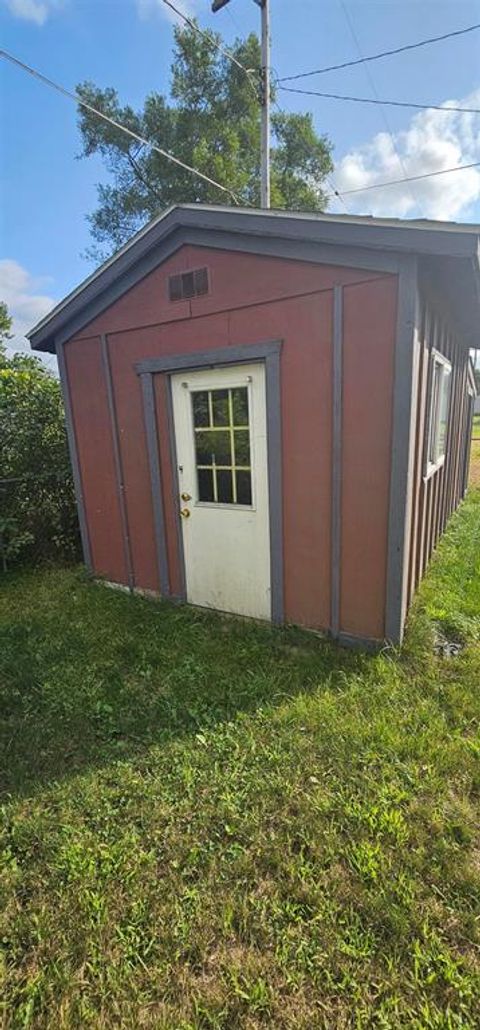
[269, 412]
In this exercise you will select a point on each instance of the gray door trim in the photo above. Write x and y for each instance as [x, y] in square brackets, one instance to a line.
[402, 451]
[337, 418]
[117, 458]
[269, 353]
[74, 459]
[153, 452]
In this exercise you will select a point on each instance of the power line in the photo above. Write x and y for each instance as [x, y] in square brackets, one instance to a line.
[117, 125]
[373, 88]
[378, 100]
[213, 42]
[409, 178]
[383, 53]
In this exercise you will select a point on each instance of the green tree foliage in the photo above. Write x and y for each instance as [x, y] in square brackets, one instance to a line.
[38, 520]
[5, 324]
[212, 122]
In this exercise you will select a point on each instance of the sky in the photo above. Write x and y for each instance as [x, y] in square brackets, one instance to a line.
[46, 190]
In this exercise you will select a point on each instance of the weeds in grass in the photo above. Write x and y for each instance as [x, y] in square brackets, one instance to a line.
[209, 824]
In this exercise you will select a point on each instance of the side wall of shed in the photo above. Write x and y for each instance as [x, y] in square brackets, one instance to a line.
[252, 299]
[436, 496]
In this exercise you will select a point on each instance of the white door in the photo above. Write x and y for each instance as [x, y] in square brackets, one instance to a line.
[221, 441]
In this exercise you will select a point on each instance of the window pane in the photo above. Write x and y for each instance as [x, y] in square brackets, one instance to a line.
[242, 447]
[220, 407]
[213, 447]
[200, 408]
[432, 433]
[224, 487]
[443, 413]
[240, 406]
[244, 488]
[205, 484]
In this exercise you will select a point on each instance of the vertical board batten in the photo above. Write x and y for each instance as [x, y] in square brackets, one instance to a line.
[176, 496]
[337, 416]
[156, 481]
[72, 446]
[275, 490]
[119, 477]
[401, 482]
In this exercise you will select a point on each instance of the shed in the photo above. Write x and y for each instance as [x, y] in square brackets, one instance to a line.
[269, 413]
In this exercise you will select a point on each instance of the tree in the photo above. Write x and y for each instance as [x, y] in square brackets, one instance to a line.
[5, 324]
[38, 519]
[213, 124]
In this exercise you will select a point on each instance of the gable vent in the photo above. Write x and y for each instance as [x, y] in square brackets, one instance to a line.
[188, 284]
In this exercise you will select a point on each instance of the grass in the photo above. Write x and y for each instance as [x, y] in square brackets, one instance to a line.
[209, 824]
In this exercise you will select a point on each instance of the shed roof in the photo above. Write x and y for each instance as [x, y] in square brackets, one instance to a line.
[454, 248]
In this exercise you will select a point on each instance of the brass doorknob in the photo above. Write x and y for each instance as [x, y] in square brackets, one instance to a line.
[186, 497]
[185, 513]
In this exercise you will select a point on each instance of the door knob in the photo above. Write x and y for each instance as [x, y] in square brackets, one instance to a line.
[185, 513]
[186, 497]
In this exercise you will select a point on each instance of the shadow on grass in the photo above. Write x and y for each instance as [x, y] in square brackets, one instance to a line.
[90, 675]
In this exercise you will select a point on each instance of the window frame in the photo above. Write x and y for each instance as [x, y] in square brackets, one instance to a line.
[438, 361]
[227, 505]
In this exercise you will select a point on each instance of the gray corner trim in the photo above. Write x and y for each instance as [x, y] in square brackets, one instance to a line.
[176, 498]
[244, 353]
[403, 436]
[337, 412]
[156, 481]
[234, 355]
[275, 493]
[72, 446]
[117, 458]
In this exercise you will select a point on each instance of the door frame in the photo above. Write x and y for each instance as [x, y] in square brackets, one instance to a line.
[269, 354]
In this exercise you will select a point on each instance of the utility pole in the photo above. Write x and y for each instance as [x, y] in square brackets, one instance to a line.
[264, 97]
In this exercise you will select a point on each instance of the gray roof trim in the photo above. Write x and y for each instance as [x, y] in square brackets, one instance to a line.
[160, 238]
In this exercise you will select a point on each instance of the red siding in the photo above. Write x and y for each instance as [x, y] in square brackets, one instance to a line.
[95, 453]
[255, 299]
[369, 342]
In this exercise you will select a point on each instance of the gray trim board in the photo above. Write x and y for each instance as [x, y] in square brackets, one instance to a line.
[244, 353]
[176, 498]
[350, 257]
[156, 481]
[275, 493]
[72, 446]
[235, 355]
[117, 459]
[402, 452]
[336, 507]
[260, 232]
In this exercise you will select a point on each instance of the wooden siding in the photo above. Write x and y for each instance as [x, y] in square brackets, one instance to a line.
[252, 299]
[437, 495]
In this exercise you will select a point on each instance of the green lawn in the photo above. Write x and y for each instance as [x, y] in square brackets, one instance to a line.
[209, 824]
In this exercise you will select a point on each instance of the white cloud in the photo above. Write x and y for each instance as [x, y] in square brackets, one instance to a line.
[432, 141]
[32, 10]
[147, 8]
[26, 306]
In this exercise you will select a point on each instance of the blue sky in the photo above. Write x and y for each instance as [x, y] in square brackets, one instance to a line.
[46, 191]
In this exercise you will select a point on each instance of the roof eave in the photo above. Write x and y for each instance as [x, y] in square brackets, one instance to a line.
[252, 223]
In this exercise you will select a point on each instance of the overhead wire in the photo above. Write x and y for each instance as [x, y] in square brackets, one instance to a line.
[373, 87]
[117, 125]
[213, 42]
[383, 53]
[410, 178]
[446, 106]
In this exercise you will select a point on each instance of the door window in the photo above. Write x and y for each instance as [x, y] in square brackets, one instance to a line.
[222, 446]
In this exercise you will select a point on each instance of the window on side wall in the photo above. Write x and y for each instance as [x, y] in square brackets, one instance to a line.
[441, 376]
